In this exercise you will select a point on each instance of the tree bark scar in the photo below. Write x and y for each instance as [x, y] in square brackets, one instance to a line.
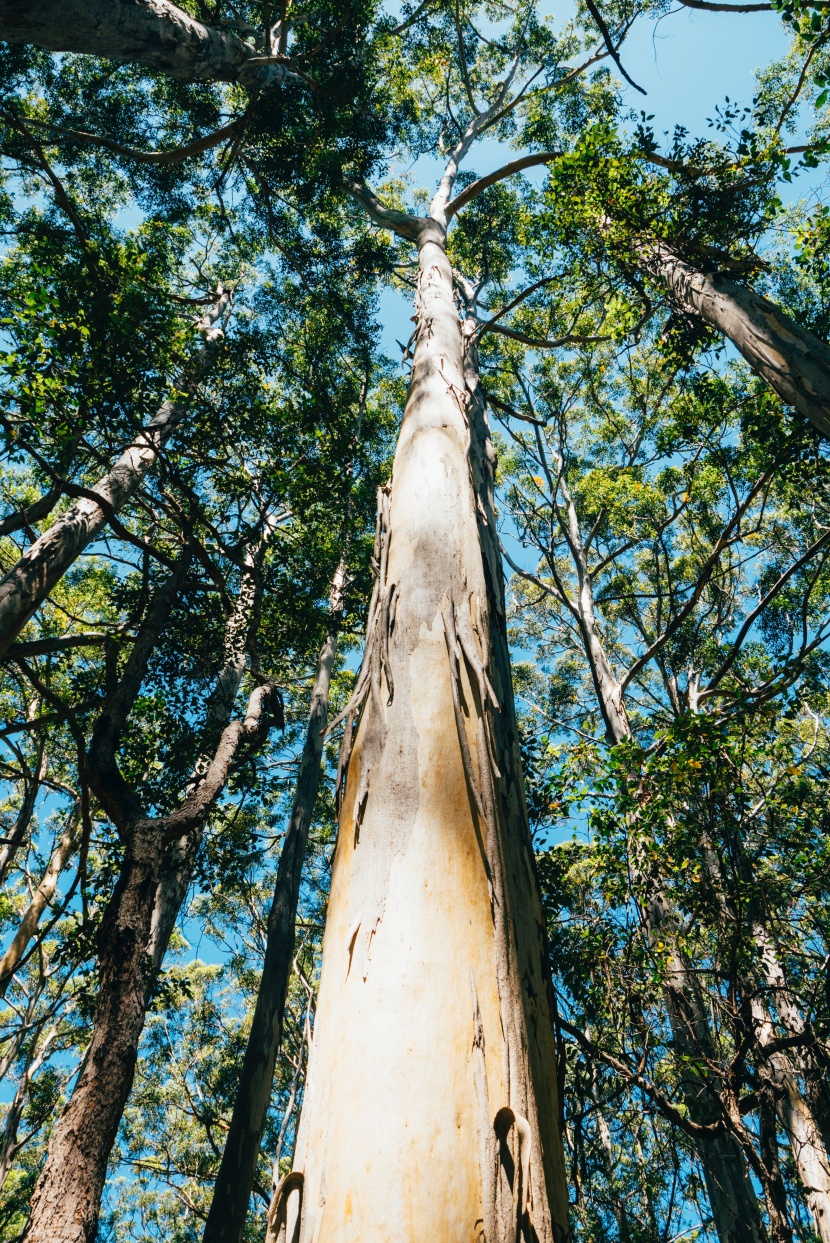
[488, 1150]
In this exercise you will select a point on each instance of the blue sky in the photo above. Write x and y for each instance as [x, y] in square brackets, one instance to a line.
[688, 62]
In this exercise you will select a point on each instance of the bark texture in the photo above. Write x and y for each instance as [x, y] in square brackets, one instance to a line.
[28, 583]
[430, 1110]
[153, 33]
[234, 1182]
[136, 927]
[794, 362]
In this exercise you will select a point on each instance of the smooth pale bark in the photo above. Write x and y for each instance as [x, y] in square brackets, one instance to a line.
[808, 1150]
[809, 1060]
[24, 588]
[41, 898]
[794, 362]
[430, 1110]
[39, 1051]
[136, 927]
[153, 33]
[31, 787]
[235, 1180]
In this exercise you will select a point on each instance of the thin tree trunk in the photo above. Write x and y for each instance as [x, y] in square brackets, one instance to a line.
[779, 1222]
[607, 1148]
[430, 1110]
[794, 362]
[735, 1212]
[810, 1058]
[41, 898]
[153, 33]
[44, 563]
[734, 1206]
[234, 1182]
[136, 926]
[31, 787]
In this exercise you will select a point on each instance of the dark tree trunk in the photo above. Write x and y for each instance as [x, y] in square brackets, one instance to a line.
[234, 1182]
[27, 584]
[153, 33]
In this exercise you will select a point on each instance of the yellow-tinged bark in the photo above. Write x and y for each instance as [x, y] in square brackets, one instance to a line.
[434, 933]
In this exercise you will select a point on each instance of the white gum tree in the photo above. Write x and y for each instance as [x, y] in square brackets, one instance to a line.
[431, 1108]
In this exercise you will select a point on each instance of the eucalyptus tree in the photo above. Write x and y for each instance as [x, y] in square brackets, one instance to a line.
[651, 581]
[434, 896]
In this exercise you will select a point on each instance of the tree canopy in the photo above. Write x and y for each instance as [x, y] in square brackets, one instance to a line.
[207, 212]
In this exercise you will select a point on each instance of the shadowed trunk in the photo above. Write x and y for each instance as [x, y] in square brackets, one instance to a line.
[28, 583]
[153, 33]
[234, 1182]
[430, 1110]
[793, 361]
[138, 921]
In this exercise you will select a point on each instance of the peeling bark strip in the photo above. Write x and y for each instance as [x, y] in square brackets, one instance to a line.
[153, 33]
[29, 582]
[433, 881]
[136, 927]
[794, 362]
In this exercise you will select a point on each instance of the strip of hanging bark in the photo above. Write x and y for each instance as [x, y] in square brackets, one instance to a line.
[483, 821]
[794, 362]
[488, 1153]
[375, 665]
[45, 562]
[153, 33]
[234, 1182]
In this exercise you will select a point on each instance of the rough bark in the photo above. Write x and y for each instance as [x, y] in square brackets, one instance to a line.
[135, 930]
[430, 1109]
[153, 33]
[44, 563]
[234, 1182]
[794, 362]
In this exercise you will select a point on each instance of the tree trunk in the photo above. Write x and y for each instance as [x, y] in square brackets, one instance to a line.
[153, 33]
[735, 1211]
[734, 1206]
[31, 789]
[67, 1198]
[794, 362]
[809, 1154]
[41, 898]
[136, 927]
[430, 1110]
[234, 1182]
[809, 1057]
[44, 563]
